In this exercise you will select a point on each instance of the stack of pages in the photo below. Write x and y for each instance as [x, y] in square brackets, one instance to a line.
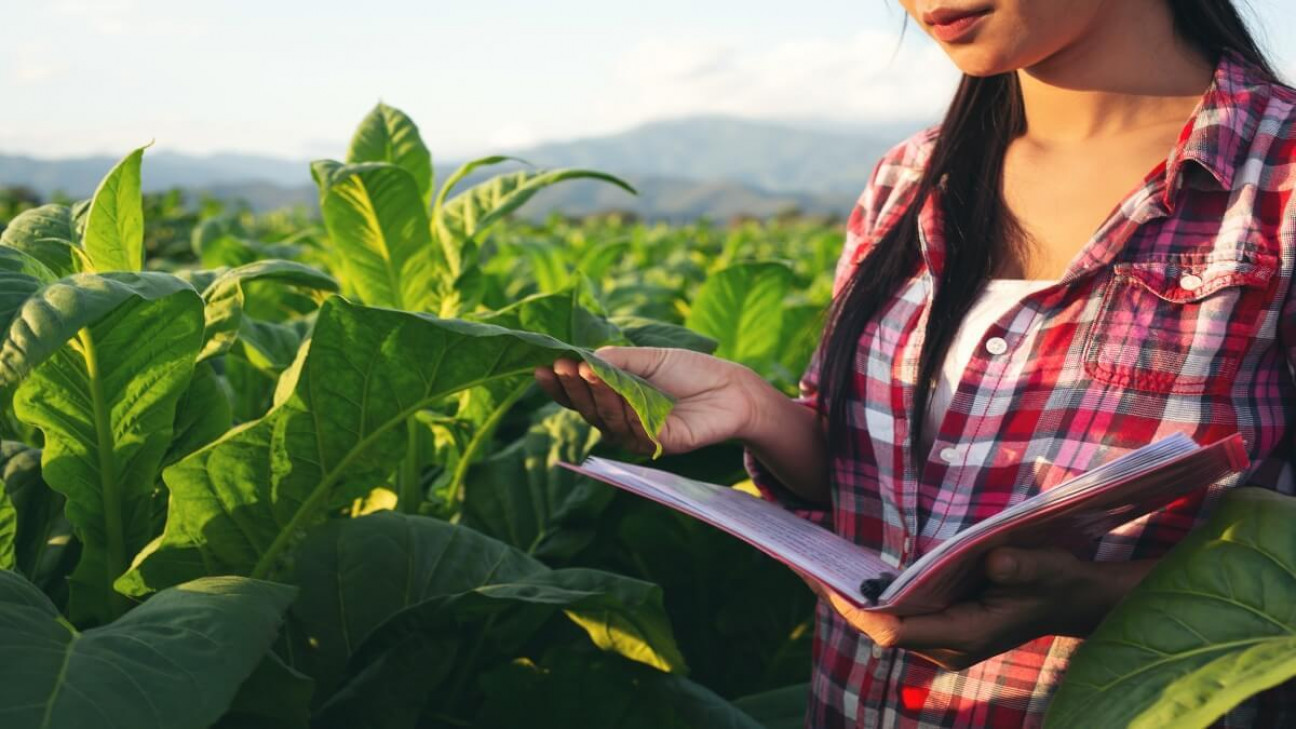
[1069, 515]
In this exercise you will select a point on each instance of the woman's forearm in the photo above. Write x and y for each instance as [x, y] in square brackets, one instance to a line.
[788, 438]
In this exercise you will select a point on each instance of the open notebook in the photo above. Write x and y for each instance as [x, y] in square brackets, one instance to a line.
[1069, 515]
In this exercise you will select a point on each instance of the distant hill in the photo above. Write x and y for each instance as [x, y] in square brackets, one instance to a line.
[684, 169]
[162, 170]
[762, 155]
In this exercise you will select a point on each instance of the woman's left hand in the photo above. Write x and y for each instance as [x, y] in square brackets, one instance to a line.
[1032, 593]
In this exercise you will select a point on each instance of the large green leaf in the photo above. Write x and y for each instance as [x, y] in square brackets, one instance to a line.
[21, 276]
[521, 496]
[46, 233]
[105, 403]
[379, 227]
[356, 574]
[436, 600]
[13, 260]
[45, 551]
[114, 230]
[472, 212]
[643, 332]
[202, 415]
[275, 696]
[802, 331]
[459, 175]
[46, 322]
[173, 663]
[574, 689]
[335, 432]
[1212, 624]
[744, 624]
[742, 308]
[16, 286]
[573, 316]
[388, 135]
[782, 708]
[224, 297]
[428, 657]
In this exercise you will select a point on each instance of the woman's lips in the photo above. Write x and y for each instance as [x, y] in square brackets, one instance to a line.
[951, 25]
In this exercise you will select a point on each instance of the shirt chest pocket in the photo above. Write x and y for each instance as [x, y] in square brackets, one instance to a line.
[1180, 325]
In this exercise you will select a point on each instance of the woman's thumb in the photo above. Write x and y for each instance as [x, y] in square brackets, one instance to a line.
[642, 361]
[1014, 566]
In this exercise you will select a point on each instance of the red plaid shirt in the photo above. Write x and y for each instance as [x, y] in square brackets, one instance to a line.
[1176, 316]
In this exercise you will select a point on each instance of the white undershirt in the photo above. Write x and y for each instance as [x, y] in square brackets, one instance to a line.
[996, 298]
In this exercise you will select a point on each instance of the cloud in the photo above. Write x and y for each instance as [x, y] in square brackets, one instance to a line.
[129, 18]
[855, 79]
[33, 63]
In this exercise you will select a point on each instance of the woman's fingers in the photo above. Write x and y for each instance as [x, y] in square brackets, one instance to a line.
[575, 385]
[548, 381]
[578, 392]
[611, 406]
[643, 442]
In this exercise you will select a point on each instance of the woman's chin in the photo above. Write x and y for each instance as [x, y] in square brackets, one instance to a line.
[981, 61]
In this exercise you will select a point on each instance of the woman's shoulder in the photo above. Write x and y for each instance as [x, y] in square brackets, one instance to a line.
[908, 157]
[899, 169]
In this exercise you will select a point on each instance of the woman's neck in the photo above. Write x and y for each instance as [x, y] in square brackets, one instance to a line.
[1128, 73]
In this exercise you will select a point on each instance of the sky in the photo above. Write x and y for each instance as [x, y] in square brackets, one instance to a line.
[289, 78]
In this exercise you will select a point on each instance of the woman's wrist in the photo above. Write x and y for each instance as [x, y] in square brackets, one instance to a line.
[787, 438]
[764, 403]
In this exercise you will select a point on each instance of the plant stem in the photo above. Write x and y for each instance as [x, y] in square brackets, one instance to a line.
[483, 434]
[109, 487]
[409, 479]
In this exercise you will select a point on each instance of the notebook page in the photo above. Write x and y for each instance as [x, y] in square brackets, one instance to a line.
[838, 562]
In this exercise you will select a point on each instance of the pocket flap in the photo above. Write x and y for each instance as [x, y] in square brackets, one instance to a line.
[1190, 278]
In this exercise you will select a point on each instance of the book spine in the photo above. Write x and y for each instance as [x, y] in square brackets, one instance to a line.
[1236, 452]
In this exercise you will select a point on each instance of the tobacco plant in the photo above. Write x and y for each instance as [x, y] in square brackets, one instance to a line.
[242, 494]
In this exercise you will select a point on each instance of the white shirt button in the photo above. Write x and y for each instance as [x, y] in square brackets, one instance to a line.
[877, 651]
[949, 455]
[908, 545]
[996, 345]
[1190, 282]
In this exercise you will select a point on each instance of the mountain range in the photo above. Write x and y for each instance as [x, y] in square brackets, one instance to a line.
[683, 169]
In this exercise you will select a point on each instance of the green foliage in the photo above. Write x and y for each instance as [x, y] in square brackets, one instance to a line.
[1212, 624]
[105, 403]
[741, 307]
[44, 550]
[407, 601]
[188, 408]
[783, 708]
[173, 663]
[582, 690]
[377, 221]
[46, 233]
[114, 229]
[388, 135]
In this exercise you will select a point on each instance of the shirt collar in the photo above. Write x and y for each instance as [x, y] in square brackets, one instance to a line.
[1217, 133]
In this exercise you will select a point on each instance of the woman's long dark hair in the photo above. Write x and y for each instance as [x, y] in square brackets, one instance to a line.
[985, 115]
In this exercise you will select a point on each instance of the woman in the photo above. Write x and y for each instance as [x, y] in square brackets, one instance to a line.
[1065, 291]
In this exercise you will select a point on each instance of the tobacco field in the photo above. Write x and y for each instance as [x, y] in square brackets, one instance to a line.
[292, 469]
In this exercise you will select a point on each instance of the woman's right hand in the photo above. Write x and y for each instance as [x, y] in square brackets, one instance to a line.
[715, 399]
